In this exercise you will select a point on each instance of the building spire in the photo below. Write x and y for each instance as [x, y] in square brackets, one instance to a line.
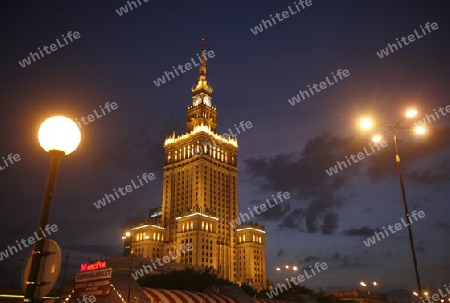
[203, 60]
[202, 84]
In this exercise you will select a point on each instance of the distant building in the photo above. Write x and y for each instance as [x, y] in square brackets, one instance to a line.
[200, 198]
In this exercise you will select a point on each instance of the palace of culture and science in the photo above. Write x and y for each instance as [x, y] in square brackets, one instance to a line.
[199, 199]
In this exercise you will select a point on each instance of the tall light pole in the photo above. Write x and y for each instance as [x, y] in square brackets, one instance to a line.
[366, 124]
[58, 136]
[128, 241]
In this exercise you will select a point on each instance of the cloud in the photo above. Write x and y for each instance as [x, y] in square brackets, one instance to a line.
[364, 231]
[414, 150]
[313, 203]
[315, 199]
[274, 213]
[330, 223]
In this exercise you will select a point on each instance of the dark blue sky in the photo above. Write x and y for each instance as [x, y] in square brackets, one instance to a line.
[289, 147]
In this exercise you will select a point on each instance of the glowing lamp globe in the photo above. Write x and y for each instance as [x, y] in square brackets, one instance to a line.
[376, 139]
[365, 123]
[59, 133]
[420, 130]
[411, 113]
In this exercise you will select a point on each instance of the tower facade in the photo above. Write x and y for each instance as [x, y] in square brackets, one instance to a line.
[200, 198]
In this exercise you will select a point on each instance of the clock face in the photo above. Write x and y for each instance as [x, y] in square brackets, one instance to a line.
[206, 100]
[197, 100]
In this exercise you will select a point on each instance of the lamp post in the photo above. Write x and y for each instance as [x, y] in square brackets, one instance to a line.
[286, 267]
[364, 284]
[367, 124]
[127, 242]
[58, 136]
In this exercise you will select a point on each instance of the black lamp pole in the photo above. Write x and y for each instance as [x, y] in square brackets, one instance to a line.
[37, 253]
[405, 204]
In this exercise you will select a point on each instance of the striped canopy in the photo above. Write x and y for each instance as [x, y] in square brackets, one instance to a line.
[259, 300]
[181, 296]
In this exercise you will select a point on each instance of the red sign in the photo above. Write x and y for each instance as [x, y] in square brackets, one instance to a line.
[93, 266]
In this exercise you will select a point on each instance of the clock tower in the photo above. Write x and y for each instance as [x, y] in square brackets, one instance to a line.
[202, 112]
[200, 201]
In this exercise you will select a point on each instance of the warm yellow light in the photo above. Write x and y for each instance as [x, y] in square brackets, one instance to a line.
[59, 133]
[375, 284]
[127, 234]
[365, 123]
[278, 268]
[411, 113]
[201, 128]
[425, 293]
[376, 139]
[287, 266]
[420, 130]
[139, 227]
[295, 268]
[123, 238]
[415, 293]
[363, 284]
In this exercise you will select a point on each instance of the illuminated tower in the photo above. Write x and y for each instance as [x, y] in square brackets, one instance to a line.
[200, 185]
[200, 198]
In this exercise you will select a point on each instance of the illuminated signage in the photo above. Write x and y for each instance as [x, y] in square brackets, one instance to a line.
[93, 266]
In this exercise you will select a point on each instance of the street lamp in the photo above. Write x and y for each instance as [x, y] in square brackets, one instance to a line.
[287, 267]
[126, 244]
[364, 284]
[366, 123]
[127, 247]
[58, 136]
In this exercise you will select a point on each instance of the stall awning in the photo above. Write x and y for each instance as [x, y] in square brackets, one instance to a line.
[181, 296]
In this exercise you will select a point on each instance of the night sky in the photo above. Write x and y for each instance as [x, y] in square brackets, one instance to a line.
[117, 58]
